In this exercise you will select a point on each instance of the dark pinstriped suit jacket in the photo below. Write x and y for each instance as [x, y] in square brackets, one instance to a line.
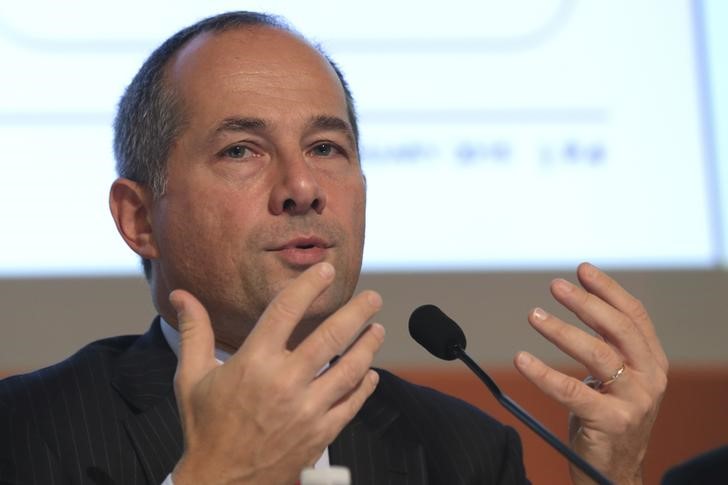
[108, 415]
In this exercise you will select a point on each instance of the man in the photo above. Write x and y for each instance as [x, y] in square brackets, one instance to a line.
[240, 186]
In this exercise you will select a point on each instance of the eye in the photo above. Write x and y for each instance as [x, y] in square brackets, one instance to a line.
[325, 150]
[236, 151]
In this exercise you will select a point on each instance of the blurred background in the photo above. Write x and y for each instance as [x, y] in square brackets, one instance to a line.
[503, 142]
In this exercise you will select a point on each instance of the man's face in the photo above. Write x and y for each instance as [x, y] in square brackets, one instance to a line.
[263, 182]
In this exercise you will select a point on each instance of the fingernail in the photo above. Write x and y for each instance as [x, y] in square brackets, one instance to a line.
[375, 299]
[587, 269]
[379, 330]
[524, 359]
[539, 314]
[176, 303]
[326, 270]
[563, 285]
[373, 377]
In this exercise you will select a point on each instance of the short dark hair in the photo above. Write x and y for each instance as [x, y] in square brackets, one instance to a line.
[150, 114]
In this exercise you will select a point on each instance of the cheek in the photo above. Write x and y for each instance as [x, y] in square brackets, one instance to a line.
[358, 211]
[353, 222]
[192, 230]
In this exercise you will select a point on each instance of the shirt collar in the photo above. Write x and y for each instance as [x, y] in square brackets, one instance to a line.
[171, 335]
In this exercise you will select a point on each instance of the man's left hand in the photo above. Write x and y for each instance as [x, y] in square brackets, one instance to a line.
[612, 413]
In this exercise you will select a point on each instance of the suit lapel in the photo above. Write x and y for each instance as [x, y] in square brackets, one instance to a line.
[376, 447]
[144, 378]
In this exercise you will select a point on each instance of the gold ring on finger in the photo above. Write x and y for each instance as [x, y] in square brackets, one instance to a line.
[616, 375]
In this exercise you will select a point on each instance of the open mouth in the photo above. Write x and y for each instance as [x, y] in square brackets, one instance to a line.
[303, 251]
[304, 243]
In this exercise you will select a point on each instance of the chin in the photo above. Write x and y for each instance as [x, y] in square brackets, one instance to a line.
[322, 308]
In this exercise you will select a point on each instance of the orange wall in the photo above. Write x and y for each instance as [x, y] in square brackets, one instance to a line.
[693, 417]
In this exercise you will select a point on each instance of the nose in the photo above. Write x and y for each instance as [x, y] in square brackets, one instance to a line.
[296, 190]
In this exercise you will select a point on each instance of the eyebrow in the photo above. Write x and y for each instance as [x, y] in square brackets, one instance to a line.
[240, 124]
[334, 123]
[257, 125]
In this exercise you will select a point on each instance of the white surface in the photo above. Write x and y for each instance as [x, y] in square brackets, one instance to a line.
[495, 135]
[335, 475]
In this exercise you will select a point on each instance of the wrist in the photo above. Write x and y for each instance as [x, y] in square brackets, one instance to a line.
[579, 478]
[184, 473]
[189, 471]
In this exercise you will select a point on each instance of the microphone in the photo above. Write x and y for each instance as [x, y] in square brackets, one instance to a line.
[444, 339]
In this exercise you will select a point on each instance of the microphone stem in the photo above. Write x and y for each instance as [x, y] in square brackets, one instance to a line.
[529, 421]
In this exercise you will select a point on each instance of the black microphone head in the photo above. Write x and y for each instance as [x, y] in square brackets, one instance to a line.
[436, 332]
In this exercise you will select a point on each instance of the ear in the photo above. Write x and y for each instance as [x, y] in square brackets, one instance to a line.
[131, 208]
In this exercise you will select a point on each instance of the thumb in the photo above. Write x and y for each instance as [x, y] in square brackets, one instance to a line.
[197, 341]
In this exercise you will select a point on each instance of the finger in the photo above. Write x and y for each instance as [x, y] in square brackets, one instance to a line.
[345, 375]
[335, 334]
[572, 393]
[346, 408]
[599, 283]
[197, 340]
[600, 358]
[605, 320]
[285, 311]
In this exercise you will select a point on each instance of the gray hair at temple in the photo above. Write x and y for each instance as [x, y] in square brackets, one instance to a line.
[150, 115]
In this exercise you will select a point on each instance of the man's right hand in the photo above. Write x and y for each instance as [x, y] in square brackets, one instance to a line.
[264, 415]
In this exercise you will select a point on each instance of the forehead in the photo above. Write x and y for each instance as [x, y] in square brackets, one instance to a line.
[255, 68]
